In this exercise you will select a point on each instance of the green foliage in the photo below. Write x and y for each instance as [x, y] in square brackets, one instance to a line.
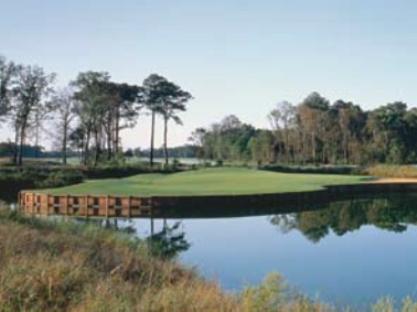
[316, 132]
[120, 170]
[103, 109]
[324, 169]
[228, 140]
[60, 178]
[13, 180]
[176, 164]
[262, 147]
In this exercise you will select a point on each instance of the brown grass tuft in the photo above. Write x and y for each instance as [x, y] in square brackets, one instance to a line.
[392, 171]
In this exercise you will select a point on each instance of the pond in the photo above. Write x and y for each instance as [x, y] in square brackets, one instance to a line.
[345, 252]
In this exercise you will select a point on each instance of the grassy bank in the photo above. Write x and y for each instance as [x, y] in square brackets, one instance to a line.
[56, 266]
[214, 181]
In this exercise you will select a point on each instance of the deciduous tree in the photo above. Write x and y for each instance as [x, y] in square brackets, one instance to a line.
[32, 87]
[63, 103]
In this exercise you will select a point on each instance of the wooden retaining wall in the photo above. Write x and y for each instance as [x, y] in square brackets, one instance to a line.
[33, 203]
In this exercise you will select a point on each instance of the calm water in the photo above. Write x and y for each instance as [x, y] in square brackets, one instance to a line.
[345, 252]
[348, 252]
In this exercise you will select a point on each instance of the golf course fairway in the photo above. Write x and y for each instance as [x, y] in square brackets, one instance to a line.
[212, 181]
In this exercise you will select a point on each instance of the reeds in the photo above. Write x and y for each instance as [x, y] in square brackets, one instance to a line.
[392, 171]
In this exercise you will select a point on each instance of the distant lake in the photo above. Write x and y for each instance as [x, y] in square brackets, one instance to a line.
[346, 252]
[77, 160]
[187, 161]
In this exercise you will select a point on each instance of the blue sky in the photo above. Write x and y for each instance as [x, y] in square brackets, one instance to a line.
[237, 57]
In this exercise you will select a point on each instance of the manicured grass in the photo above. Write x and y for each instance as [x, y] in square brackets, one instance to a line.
[217, 181]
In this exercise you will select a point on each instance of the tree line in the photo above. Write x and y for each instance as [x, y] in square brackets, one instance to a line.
[88, 115]
[316, 131]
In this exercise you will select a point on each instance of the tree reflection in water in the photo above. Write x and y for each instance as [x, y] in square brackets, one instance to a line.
[393, 213]
[167, 243]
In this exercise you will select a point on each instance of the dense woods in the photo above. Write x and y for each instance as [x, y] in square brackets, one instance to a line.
[316, 131]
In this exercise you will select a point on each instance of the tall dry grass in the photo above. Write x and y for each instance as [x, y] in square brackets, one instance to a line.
[392, 171]
[58, 266]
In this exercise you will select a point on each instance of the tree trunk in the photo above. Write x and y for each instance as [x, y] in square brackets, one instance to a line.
[37, 135]
[86, 147]
[117, 130]
[97, 148]
[64, 144]
[16, 144]
[109, 149]
[110, 154]
[22, 141]
[313, 146]
[345, 148]
[81, 150]
[108, 130]
[287, 145]
[166, 141]
[152, 138]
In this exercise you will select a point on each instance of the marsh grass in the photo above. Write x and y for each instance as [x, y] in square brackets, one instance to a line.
[392, 171]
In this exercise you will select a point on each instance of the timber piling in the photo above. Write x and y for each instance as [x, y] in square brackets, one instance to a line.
[106, 206]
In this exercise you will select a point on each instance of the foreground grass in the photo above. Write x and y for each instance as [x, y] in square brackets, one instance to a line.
[46, 266]
[215, 181]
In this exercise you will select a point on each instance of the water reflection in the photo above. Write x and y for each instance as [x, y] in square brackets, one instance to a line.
[167, 243]
[358, 249]
[391, 213]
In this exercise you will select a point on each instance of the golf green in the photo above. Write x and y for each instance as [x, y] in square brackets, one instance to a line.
[213, 181]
